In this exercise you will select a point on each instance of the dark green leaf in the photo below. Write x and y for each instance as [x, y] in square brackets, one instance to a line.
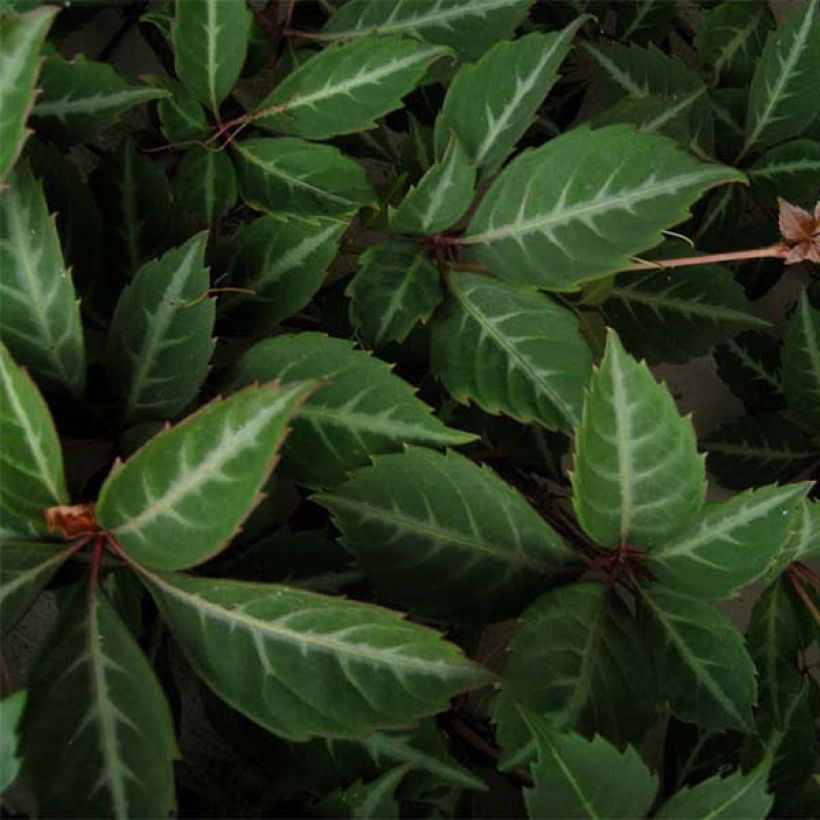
[204, 187]
[576, 777]
[749, 364]
[11, 709]
[396, 287]
[343, 89]
[511, 350]
[159, 343]
[803, 544]
[21, 38]
[80, 98]
[638, 478]
[582, 205]
[375, 800]
[98, 740]
[791, 171]
[444, 537]
[178, 500]
[702, 666]
[303, 664]
[364, 409]
[180, 114]
[210, 40]
[41, 315]
[297, 176]
[468, 26]
[801, 362]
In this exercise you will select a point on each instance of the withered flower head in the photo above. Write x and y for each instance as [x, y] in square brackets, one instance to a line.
[801, 232]
[77, 519]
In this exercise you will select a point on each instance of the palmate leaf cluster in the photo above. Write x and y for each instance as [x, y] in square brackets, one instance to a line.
[332, 451]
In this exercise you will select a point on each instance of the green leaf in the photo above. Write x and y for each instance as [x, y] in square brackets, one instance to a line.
[491, 103]
[801, 362]
[643, 19]
[582, 205]
[444, 537]
[180, 114]
[41, 315]
[25, 568]
[97, 716]
[731, 38]
[749, 364]
[702, 666]
[756, 450]
[469, 27]
[592, 675]
[733, 543]
[159, 343]
[396, 287]
[671, 316]
[210, 39]
[11, 709]
[343, 89]
[638, 477]
[362, 411]
[375, 800]
[791, 171]
[21, 38]
[782, 98]
[204, 187]
[82, 97]
[136, 198]
[512, 350]
[740, 796]
[31, 458]
[303, 664]
[441, 197]
[178, 500]
[282, 260]
[297, 176]
[803, 544]
[576, 777]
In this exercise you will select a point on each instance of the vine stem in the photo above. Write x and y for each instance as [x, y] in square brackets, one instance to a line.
[778, 251]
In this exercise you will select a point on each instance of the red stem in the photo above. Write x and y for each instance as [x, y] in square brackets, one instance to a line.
[96, 557]
[773, 252]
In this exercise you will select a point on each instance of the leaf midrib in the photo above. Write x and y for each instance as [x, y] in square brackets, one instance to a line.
[66, 106]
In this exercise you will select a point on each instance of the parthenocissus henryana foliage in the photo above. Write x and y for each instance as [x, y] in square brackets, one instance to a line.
[336, 476]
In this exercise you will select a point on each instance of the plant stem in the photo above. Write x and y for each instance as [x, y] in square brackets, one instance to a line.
[778, 251]
[804, 596]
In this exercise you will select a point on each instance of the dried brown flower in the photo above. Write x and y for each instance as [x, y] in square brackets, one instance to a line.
[76, 519]
[801, 233]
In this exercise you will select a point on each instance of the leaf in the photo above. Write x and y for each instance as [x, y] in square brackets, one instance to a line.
[82, 97]
[97, 715]
[21, 38]
[791, 171]
[803, 543]
[441, 197]
[180, 114]
[702, 666]
[419, 524]
[592, 675]
[136, 198]
[11, 709]
[756, 450]
[469, 28]
[159, 343]
[582, 205]
[638, 478]
[375, 800]
[303, 664]
[25, 569]
[297, 176]
[41, 317]
[31, 458]
[210, 40]
[364, 410]
[644, 19]
[177, 501]
[732, 544]
[396, 287]
[782, 101]
[671, 316]
[731, 38]
[282, 259]
[204, 187]
[801, 363]
[512, 350]
[749, 365]
[741, 796]
[343, 89]
[491, 103]
[576, 777]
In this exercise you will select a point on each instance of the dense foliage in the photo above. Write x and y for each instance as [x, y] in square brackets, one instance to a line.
[335, 478]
